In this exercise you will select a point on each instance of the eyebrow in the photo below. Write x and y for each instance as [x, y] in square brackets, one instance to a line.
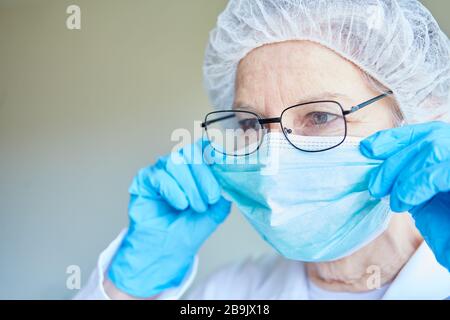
[308, 98]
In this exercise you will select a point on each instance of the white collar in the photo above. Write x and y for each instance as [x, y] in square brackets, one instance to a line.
[422, 277]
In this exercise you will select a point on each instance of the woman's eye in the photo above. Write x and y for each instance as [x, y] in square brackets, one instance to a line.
[321, 118]
[247, 124]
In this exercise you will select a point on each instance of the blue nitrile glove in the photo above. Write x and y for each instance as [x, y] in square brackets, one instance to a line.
[174, 206]
[416, 174]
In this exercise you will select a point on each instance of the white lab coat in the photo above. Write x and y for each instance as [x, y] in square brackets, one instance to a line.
[273, 277]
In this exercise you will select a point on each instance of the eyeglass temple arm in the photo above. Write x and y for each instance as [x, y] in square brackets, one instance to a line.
[366, 103]
[204, 124]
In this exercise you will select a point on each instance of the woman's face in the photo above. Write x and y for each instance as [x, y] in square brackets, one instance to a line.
[276, 76]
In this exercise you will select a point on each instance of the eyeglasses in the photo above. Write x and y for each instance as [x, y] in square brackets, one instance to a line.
[241, 132]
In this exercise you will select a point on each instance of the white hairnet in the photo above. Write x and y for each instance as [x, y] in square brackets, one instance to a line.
[397, 42]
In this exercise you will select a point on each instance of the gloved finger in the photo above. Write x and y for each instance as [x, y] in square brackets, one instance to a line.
[220, 210]
[420, 186]
[177, 167]
[416, 164]
[385, 143]
[383, 178]
[168, 188]
[204, 224]
[427, 157]
[141, 186]
[206, 182]
[435, 147]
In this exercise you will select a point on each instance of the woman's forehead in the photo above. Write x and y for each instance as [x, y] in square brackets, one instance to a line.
[287, 73]
[293, 54]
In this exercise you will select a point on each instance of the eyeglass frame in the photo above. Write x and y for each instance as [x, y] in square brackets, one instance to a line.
[263, 121]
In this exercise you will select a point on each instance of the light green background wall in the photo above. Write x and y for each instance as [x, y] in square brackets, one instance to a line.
[80, 112]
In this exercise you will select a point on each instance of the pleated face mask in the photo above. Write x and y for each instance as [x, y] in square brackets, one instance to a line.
[308, 206]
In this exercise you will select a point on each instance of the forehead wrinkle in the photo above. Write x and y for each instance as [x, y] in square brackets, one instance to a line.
[306, 98]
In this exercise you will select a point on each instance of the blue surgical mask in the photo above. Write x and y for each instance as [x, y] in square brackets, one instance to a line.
[308, 206]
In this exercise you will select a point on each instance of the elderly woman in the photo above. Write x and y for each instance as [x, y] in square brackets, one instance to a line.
[340, 111]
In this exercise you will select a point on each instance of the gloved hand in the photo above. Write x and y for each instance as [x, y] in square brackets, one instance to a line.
[174, 206]
[416, 175]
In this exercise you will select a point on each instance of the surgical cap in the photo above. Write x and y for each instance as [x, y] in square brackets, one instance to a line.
[396, 42]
